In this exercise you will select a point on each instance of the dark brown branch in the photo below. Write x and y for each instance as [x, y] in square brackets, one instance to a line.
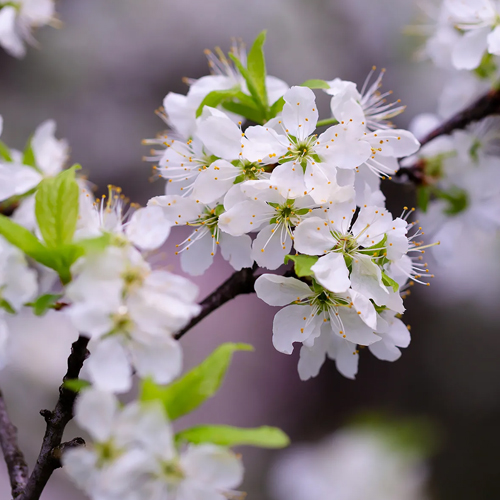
[483, 107]
[14, 458]
[49, 457]
[238, 283]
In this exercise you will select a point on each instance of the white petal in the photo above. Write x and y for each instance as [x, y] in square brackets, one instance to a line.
[213, 465]
[332, 273]
[355, 329]
[276, 88]
[365, 308]
[300, 114]
[262, 144]
[221, 136]
[180, 113]
[50, 153]
[396, 143]
[178, 210]
[237, 250]
[469, 50]
[312, 237]
[214, 182]
[346, 357]
[397, 333]
[385, 351]
[494, 41]
[161, 359]
[96, 411]
[278, 290]
[109, 367]
[81, 465]
[16, 179]
[292, 324]
[148, 228]
[289, 178]
[245, 217]
[271, 246]
[10, 40]
[312, 358]
[346, 147]
[199, 256]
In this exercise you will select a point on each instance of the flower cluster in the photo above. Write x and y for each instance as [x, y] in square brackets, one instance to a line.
[134, 456]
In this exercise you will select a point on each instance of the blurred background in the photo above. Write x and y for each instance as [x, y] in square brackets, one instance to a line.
[102, 75]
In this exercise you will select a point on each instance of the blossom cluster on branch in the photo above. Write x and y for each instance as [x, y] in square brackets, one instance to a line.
[251, 168]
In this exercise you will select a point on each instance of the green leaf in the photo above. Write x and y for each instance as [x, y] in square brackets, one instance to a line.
[5, 152]
[315, 84]
[216, 97]
[256, 65]
[29, 156]
[250, 84]
[76, 384]
[225, 435]
[250, 113]
[56, 208]
[6, 306]
[387, 281]
[276, 108]
[94, 245]
[45, 302]
[26, 241]
[302, 264]
[423, 197]
[195, 387]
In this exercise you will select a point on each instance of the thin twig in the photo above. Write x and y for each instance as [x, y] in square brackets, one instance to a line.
[487, 105]
[14, 458]
[48, 459]
[238, 283]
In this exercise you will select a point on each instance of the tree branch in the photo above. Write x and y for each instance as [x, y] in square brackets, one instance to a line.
[14, 458]
[48, 459]
[483, 107]
[238, 283]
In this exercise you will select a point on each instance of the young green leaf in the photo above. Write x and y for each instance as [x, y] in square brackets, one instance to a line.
[277, 107]
[225, 435]
[76, 384]
[26, 241]
[6, 306]
[302, 264]
[45, 302]
[5, 152]
[256, 65]
[56, 208]
[29, 156]
[216, 97]
[202, 382]
[423, 197]
[315, 84]
[249, 112]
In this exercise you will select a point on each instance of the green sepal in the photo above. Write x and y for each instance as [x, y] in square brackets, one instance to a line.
[256, 66]
[315, 84]
[5, 152]
[43, 303]
[388, 281]
[487, 68]
[303, 211]
[302, 264]
[225, 435]
[195, 387]
[56, 207]
[285, 159]
[76, 384]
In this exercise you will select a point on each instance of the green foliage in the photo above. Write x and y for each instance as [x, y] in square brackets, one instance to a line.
[225, 435]
[76, 384]
[195, 387]
[256, 66]
[487, 68]
[315, 84]
[29, 156]
[457, 200]
[45, 302]
[56, 208]
[6, 306]
[5, 152]
[302, 264]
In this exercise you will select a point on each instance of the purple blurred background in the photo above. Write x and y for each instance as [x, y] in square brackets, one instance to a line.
[102, 75]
